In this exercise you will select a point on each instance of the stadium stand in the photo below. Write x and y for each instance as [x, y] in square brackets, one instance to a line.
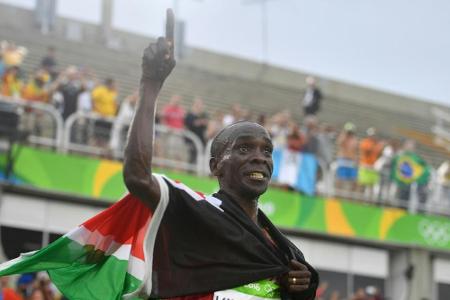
[221, 91]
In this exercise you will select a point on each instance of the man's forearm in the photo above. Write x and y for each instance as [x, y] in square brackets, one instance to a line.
[139, 149]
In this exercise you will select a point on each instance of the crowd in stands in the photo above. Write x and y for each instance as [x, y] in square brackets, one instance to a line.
[367, 293]
[369, 165]
[36, 286]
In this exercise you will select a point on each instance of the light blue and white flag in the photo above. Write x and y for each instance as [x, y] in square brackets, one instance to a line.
[298, 170]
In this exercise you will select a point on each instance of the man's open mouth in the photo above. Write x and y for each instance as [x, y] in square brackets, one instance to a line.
[257, 175]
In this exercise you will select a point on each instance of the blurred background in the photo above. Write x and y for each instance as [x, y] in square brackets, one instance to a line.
[354, 94]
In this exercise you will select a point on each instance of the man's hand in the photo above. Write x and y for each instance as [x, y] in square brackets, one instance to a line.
[297, 279]
[158, 60]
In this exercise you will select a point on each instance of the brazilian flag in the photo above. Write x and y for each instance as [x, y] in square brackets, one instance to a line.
[408, 167]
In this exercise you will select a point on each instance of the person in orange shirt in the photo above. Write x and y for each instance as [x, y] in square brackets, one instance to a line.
[7, 293]
[36, 89]
[370, 149]
[12, 84]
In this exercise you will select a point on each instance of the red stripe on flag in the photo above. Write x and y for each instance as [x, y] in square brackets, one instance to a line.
[125, 221]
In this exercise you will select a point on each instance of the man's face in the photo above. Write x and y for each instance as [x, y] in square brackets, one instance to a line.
[246, 165]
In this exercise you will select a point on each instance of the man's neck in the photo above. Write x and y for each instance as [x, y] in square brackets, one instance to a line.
[250, 206]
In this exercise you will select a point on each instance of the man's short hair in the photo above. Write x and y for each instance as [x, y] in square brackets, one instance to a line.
[224, 137]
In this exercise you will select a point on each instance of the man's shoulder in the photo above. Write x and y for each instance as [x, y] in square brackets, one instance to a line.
[187, 193]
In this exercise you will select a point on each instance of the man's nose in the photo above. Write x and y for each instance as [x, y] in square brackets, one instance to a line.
[260, 156]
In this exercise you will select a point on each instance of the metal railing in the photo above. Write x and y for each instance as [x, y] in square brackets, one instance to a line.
[426, 198]
[42, 121]
[80, 133]
[99, 143]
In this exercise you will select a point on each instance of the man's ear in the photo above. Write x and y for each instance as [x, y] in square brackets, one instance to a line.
[213, 166]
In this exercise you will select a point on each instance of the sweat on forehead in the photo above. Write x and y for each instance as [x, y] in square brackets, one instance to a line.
[231, 132]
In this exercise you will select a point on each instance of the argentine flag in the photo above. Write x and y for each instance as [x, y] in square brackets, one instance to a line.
[296, 169]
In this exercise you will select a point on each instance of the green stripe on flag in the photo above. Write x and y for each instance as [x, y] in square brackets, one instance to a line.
[79, 272]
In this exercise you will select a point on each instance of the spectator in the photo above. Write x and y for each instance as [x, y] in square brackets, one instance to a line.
[13, 55]
[347, 154]
[2, 66]
[443, 179]
[321, 290]
[359, 295]
[408, 168]
[25, 285]
[312, 97]
[36, 90]
[12, 84]
[84, 106]
[37, 87]
[326, 137]
[7, 293]
[37, 294]
[370, 149]
[68, 85]
[373, 293]
[89, 82]
[104, 103]
[235, 115]
[196, 121]
[215, 124]
[383, 166]
[49, 62]
[104, 98]
[295, 139]
[279, 128]
[310, 132]
[121, 123]
[173, 117]
[262, 120]
[335, 295]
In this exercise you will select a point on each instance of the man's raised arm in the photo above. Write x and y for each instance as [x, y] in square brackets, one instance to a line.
[157, 63]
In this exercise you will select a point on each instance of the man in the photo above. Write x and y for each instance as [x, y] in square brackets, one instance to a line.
[104, 103]
[370, 149]
[347, 154]
[104, 98]
[196, 121]
[172, 117]
[49, 62]
[208, 246]
[312, 97]
[69, 85]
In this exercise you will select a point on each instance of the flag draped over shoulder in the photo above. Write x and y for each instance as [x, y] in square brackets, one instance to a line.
[408, 168]
[191, 244]
[101, 259]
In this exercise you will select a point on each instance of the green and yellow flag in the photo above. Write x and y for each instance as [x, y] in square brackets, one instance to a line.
[409, 167]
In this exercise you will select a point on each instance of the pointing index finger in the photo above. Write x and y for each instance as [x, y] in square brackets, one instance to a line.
[170, 24]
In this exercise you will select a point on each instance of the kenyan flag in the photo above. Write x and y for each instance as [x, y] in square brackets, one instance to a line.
[101, 259]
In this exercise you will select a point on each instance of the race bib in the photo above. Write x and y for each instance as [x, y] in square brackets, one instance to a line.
[261, 290]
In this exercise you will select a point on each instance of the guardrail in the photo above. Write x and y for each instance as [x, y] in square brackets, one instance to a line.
[387, 194]
[81, 131]
[91, 124]
[36, 112]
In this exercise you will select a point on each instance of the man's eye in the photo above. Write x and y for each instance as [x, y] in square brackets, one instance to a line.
[268, 151]
[243, 149]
